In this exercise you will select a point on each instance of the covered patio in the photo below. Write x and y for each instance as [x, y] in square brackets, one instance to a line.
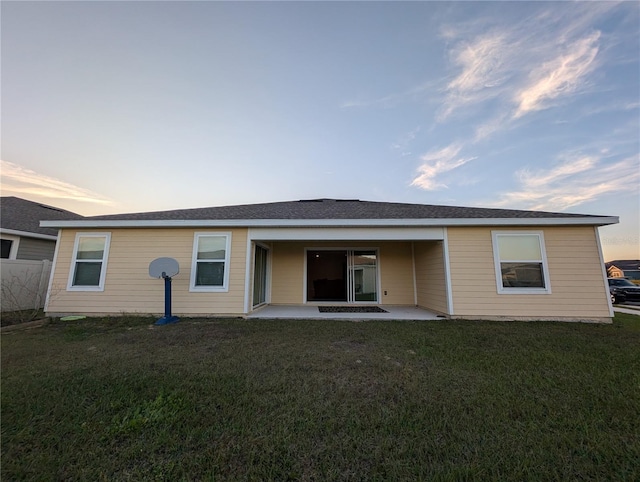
[310, 312]
[290, 278]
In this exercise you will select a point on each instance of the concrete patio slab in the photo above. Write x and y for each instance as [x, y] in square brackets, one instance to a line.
[303, 312]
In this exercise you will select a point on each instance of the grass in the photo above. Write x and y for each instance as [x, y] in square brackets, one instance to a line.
[119, 399]
[8, 318]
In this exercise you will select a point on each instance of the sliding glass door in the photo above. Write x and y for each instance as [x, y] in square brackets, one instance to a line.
[342, 275]
[260, 276]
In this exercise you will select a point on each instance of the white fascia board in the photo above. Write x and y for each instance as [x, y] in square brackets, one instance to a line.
[338, 223]
[390, 233]
[27, 234]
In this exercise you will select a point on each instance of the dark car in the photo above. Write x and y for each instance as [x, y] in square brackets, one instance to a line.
[623, 290]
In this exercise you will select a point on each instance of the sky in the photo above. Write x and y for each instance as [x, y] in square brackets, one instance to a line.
[111, 107]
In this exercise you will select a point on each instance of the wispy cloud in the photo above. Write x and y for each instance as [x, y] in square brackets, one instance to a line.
[436, 162]
[543, 179]
[19, 180]
[403, 142]
[488, 128]
[363, 102]
[573, 181]
[391, 100]
[525, 66]
[483, 64]
[619, 106]
[558, 77]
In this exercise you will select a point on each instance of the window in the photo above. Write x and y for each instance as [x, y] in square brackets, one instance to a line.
[9, 247]
[520, 261]
[89, 265]
[6, 248]
[210, 264]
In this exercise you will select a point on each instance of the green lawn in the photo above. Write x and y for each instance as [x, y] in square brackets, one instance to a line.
[120, 399]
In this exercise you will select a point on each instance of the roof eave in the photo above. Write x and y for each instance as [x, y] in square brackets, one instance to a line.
[274, 223]
[28, 234]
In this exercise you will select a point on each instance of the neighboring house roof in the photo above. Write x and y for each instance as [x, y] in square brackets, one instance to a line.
[624, 264]
[22, 217]
[334, 212]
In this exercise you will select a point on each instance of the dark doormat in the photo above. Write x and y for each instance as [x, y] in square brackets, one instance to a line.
[351, 309]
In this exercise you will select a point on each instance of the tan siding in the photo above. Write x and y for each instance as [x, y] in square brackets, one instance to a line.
[287, 273]
[128, 287]
[578, 289]
[396, 274]
[431, 281]
[577, 286]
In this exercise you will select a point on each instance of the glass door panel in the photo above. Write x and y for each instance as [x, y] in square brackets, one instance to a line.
[260, 276]
[363, 268]
[326, 275]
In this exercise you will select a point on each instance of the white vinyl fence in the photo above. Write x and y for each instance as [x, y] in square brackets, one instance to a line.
[23, 284]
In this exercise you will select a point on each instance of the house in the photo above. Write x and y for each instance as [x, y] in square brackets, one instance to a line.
[459, 262]
[27, 250]
[614, 272]
[624, 268]
[21, 235]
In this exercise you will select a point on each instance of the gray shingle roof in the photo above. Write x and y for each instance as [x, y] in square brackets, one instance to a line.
[22, 215]
[624, 264]
[325, 209]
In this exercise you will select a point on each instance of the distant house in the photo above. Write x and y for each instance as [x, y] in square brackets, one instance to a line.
[624, 268]
[21, 236]
[457, 262]
[27, 252]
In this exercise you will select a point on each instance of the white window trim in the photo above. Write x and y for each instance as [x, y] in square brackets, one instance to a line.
[194, 259]
[103, 269]
[15, 242]
[545, 265]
